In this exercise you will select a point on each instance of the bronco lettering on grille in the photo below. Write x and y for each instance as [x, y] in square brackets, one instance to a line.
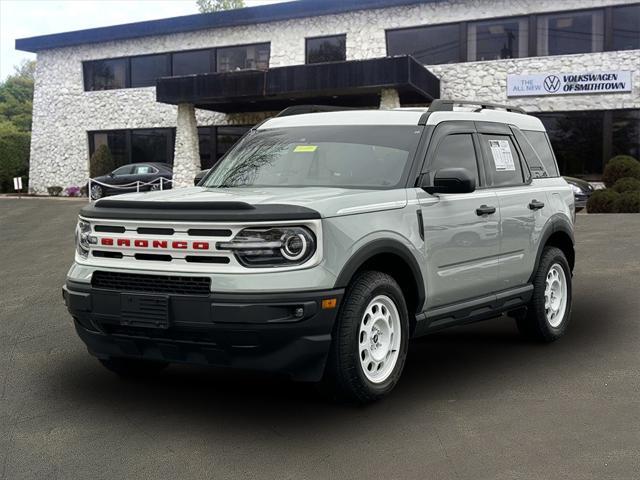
[155, 244]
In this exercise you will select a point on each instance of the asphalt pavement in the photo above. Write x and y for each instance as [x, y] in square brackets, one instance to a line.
[475, 402]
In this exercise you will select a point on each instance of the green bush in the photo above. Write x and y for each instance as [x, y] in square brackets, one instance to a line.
[619, 167]
[603, 201]
[627, 184]
[14, 158]
[101, 162]
[629, 202]
[54, 191]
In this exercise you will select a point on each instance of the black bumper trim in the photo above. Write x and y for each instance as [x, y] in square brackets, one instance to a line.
[251, 331]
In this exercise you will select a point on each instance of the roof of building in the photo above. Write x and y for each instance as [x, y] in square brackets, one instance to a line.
[189, 23]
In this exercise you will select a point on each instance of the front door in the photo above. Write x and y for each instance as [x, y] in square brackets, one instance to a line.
[460, 230]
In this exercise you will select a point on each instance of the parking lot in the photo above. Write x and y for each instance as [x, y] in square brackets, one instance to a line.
[475, 402]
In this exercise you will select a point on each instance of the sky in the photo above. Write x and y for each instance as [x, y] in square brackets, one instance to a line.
[29, 18]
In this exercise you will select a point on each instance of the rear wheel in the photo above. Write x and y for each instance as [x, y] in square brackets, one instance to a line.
[371, 340]
[549, 311]
[131, 367]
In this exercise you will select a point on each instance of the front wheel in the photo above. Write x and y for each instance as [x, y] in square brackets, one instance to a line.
[549, 310]
[96, 192]
[370, 341]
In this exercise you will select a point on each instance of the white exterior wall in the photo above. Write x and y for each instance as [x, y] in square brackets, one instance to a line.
[63, 112]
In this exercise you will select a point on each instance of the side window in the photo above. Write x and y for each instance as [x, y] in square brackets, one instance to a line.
[540, 143]
[125, 170]
[455, 150]
[502, 161]
[144, 169]
[531, 158]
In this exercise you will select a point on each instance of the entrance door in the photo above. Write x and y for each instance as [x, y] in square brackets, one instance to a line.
[461, 230]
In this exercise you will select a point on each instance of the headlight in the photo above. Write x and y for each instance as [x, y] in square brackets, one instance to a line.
[576, 189]
[84, 239]
[272, 246]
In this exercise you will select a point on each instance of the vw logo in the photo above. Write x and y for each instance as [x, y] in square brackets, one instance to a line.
[551, 84]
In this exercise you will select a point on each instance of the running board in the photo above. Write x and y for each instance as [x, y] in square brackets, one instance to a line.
[474, 310]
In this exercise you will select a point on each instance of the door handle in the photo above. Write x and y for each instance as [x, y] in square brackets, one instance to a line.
[536, 205]
[485, 210]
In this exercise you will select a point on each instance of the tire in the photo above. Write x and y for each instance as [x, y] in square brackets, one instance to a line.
[367, 357]
[549, 311]
[132, 368]
[96, 192]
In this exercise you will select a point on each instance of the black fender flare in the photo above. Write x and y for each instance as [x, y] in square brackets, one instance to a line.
[556, 223]
[377, 247]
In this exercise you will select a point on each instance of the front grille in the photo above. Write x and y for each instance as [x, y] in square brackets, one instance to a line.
[132, 282]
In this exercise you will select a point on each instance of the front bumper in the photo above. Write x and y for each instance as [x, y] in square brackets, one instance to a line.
[266, 331]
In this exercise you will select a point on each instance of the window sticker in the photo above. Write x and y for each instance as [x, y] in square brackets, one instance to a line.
[502, 157]
[305, 148]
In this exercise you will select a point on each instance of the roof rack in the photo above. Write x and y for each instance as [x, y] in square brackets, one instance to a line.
[447, 106]
[302, 109]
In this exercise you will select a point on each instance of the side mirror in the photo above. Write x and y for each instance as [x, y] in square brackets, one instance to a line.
[451, 180]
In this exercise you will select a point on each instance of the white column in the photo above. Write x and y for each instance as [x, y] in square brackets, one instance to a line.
[389, 99]
[186, 158]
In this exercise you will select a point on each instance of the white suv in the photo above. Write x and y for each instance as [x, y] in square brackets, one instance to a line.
[323, 242]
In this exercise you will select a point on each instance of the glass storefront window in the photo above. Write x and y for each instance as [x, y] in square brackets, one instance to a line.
[498, 39]
[326, 49]
[116, 143]
[192, 62]
[430, 45]
[577, 141]
[152, 145]
[626, 27]
[134, 146]
[105, 74]
[247, 57]
[571, 32]
[625, 126]
[584, 141]
[147, 69]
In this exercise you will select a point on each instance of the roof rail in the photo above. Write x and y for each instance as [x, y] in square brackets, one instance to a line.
[447, 106]
[301, 109]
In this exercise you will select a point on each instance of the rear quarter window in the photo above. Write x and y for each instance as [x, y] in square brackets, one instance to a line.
[540, 143]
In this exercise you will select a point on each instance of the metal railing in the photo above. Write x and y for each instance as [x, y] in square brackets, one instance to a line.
[161, 182]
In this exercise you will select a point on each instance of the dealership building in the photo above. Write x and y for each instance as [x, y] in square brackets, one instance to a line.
[183, 90]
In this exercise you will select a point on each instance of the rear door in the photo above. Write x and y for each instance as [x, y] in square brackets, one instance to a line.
[461, 240]
[520, 202]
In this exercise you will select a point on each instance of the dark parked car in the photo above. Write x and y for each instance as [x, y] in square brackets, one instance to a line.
[200, 176]
[128, 175]
[582, 190]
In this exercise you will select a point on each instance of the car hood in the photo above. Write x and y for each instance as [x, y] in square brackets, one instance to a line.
[327, 201]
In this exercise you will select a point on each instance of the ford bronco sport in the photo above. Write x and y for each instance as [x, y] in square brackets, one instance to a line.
[324, 241]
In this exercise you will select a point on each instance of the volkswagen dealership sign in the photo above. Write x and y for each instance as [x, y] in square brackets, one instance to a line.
[568, 83]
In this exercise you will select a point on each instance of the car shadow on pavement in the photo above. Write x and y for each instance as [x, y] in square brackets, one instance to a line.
[464, 363]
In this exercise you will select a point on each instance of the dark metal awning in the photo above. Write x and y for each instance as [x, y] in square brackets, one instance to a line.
[356, 83]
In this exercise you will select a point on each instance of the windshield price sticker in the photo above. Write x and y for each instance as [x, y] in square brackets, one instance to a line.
[305, 148]
[502, 157]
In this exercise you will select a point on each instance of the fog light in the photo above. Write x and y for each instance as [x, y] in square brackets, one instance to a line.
[299, 312]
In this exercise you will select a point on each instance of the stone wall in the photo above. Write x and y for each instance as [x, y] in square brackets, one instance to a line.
[63, 112]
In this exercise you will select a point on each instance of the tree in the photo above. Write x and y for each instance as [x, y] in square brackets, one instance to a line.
[208, 6]
[16, 99]
[101, 162]
[16, 96]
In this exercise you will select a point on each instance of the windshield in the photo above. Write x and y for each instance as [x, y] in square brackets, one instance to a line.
[329, 156]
